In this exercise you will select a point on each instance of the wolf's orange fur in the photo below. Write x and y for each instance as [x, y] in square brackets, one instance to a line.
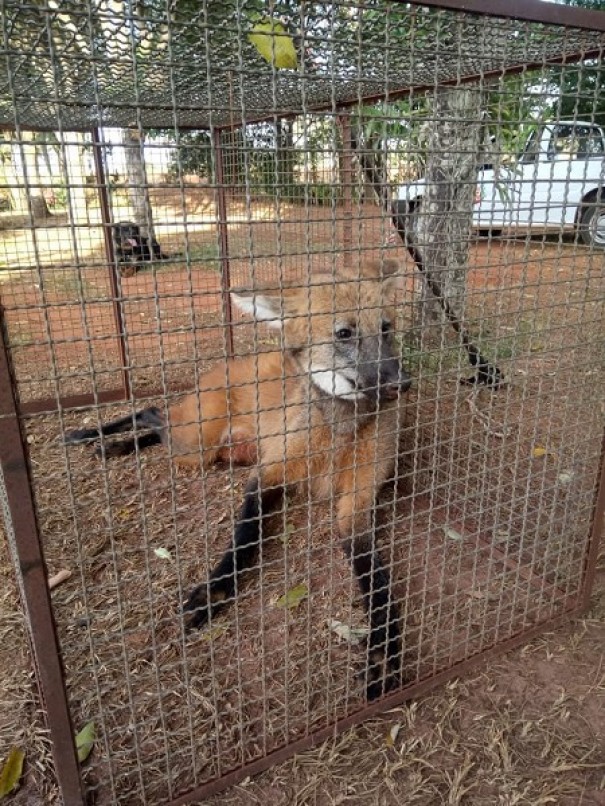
[323, 411]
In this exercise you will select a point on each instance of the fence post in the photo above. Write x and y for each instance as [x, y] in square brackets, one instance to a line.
[23, 532]
[223, 235]
[346, 174]
[116, 292]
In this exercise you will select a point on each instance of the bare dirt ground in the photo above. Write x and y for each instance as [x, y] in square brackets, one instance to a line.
[486, 529]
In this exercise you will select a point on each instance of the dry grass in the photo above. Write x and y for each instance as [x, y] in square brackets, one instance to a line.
[528, 730]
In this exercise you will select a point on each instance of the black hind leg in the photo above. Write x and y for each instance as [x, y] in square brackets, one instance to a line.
[80, 435]
[147, 418]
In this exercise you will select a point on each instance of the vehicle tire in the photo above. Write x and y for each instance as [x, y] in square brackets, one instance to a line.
[591, 223]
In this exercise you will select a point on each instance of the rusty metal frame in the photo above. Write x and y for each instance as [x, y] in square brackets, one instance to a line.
[525, 10]
[106, 220]
[222, 225]
[42, 632]
[347, 190]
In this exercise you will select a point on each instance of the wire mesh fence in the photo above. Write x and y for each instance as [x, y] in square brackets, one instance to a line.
[235, 238]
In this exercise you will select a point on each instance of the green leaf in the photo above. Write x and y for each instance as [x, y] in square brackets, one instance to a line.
[163, 554]
[85, 740]
[214, 633]
[293, 597]
[11, 771]
[274, 44]
[289, 530]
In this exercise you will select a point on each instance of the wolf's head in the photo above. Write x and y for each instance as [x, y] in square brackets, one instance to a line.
[340, 329]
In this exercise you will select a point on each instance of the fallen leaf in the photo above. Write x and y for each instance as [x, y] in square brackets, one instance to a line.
[565, 477]
[354, 635]
[85, 740]
[11, 772]
[289, 530]
[58, 578]
[293, 597]
[452, 533]
[539, 451]
[272, 41]
[392, 735]
[163, 554]
[214, 633]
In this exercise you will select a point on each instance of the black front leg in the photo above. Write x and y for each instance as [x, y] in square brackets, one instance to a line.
[383, 672]
[207, 599]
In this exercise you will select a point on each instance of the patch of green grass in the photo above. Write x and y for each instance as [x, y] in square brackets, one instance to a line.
[67, 284]
[419, 361]
[523, 339]
[19, 336]
[206, 253]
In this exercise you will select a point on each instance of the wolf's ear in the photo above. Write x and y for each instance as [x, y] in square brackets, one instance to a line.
[376, 269]
[388, 267]
[260, 306]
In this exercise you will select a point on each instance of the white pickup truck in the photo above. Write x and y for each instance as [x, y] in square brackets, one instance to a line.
[557, 182]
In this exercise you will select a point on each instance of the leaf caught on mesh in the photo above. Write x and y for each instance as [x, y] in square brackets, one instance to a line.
[272, 41]
[163, 554]
[85, 740]
[565, 477]
[353, 635]
[293, 597]
[538, 451]
[11, 772]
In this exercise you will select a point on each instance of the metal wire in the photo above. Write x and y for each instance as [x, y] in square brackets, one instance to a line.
[241, 174]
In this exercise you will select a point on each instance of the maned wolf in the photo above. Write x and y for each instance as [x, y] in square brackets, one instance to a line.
[323, 411]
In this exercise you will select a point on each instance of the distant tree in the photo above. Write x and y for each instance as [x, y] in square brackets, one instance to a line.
[21, 169]
[581, 85]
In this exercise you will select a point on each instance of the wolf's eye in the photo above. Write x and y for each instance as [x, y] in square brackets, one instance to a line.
[385, 327]
[344, 333]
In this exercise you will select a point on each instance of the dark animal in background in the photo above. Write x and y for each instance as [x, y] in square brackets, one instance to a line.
[131, 248]
[322, 412]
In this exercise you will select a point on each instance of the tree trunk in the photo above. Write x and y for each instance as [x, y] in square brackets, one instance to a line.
[24, 175]
[75, 178]
[14, 184]
[284, 156]
[444, 218]
[39, 207]
[138, 187]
